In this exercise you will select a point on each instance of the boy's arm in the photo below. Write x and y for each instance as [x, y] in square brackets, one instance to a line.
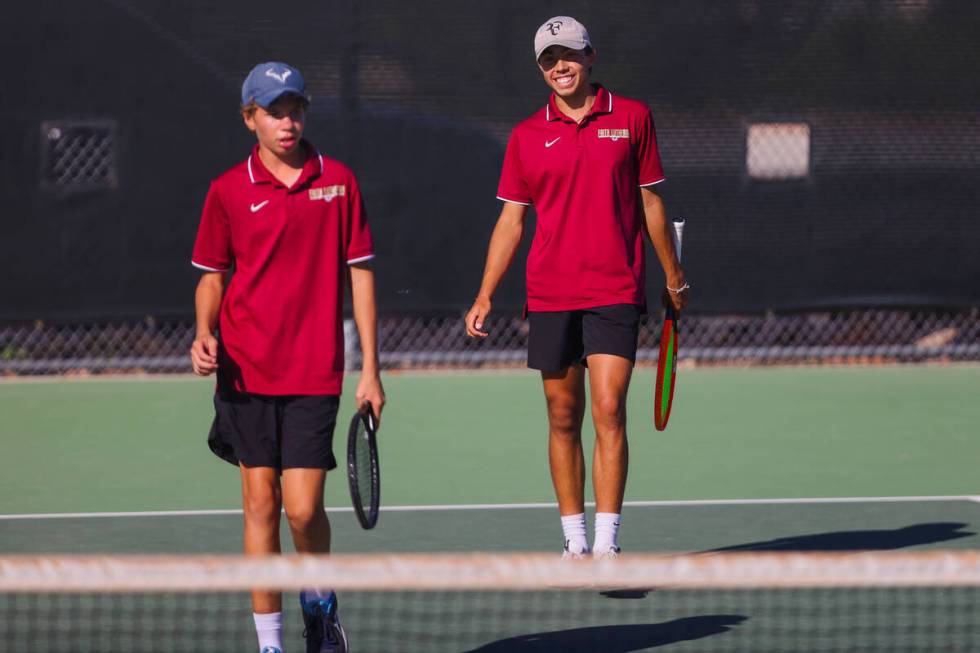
[662, 236]
[207, 303]
[369, 388]
[504, 242]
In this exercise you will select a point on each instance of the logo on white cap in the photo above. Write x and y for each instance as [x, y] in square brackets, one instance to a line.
[554, 27]
[271, 72]
[561, 30]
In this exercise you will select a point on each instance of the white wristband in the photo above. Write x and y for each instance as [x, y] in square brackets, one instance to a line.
[686, 286]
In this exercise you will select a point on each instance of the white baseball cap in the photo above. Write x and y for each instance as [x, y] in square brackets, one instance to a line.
[561, 30]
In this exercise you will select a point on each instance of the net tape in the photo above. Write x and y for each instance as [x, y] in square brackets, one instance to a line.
[482, 571]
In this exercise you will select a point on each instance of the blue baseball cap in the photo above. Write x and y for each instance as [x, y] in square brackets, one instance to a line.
[269, 81]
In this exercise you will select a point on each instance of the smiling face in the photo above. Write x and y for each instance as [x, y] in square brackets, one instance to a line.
[280, 127]
[566, 71]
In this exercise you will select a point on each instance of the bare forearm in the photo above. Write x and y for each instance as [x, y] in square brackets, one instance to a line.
[207, 302]
[365, 316]
[662, 236]
[504, 242]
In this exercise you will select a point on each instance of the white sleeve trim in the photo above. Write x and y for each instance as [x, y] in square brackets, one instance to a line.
[360, 259]
[653, 183]
[207, 269]
[504, 199]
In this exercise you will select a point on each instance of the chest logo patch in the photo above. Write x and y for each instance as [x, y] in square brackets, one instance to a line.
[550, 143]
[614, 134]
[257, 207]
[327, 193]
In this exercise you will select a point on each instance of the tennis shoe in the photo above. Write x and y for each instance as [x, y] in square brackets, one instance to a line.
[271, 649]
[568, 554]
[607, 554]
[323, 631]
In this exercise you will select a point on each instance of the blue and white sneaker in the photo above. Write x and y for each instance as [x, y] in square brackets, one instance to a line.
[323, 632]
[271, 649]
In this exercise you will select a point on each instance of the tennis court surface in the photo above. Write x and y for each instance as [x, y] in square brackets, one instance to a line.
[779, 462]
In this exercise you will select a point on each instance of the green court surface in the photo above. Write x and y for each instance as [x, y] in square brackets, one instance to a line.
[786, 459]
[138, 445]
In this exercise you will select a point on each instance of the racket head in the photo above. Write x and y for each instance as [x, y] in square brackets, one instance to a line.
[363, 469]
[663, 394]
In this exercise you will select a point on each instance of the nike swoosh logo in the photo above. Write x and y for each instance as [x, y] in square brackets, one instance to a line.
[256, 207]
[550, 143]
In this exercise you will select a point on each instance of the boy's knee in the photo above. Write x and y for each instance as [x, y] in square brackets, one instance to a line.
[609, 410]
[261, 505]
[304, 518]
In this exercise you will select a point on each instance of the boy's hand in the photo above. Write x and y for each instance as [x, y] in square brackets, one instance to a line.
[370, 391]
[677, 293]
[204, 355]
[476, 316]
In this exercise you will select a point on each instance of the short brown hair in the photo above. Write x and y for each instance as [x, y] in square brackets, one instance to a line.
[249, 108]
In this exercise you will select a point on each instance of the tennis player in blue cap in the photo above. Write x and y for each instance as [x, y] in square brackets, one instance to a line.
[291, 223]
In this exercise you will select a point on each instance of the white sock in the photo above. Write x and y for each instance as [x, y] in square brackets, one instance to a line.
[606, 532]
[268, 627]
[574, 528]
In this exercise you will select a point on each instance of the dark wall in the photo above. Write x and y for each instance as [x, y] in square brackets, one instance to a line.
[419, 98]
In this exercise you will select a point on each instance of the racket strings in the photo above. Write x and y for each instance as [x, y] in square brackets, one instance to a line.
[362, 455]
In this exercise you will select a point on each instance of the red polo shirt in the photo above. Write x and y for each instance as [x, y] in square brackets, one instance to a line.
[582, 179]
[281, 320]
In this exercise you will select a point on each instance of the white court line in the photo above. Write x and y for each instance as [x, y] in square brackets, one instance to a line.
[506, 506]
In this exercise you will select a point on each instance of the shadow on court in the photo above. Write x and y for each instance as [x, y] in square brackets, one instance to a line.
[616, 639]
[866, 540]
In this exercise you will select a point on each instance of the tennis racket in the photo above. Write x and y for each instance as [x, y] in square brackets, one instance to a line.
[363, 471]
[663, 395]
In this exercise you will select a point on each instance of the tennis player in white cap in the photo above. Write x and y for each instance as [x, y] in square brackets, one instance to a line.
[588, 162]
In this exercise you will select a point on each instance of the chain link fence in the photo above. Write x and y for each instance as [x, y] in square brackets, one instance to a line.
[834, 337]
[826, 151]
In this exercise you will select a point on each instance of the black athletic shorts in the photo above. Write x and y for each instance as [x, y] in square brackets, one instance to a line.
[557, 339]
[273, 431]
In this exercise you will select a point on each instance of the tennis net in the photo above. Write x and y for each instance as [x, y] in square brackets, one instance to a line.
[883, 601]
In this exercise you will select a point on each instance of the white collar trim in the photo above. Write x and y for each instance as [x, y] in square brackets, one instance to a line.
[251, 176]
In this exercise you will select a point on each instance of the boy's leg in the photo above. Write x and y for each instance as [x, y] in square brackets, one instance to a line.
[609, 334]
[245, 431]
[564, 392]
[302, 491]
[307, 429]
[262, 504]
[609, 378]
[303, 498]
[565, 396]
[307, 426]
[555, 347]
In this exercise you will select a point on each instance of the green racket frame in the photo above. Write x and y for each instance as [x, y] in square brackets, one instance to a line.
[666, 371]
[663, 394]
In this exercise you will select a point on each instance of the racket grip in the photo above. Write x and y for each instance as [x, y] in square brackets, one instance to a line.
[678, 235]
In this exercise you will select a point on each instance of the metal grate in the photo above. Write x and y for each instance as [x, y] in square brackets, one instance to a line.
[79, 156]
[777, 151]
